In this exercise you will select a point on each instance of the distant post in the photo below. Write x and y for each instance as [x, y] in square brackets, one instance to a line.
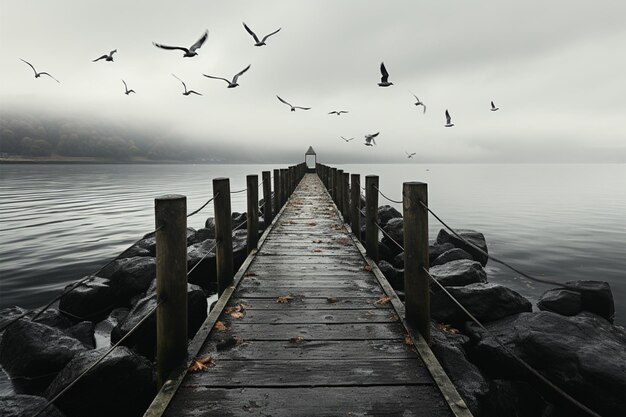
[371, 211]
[339, 187]
[171, 280]
[331, 183]
[355, 205]
[283, 186]
[223, 233]
[252, 183]
[276, 207]
[416, 282]
[345, 192]
[267, 198]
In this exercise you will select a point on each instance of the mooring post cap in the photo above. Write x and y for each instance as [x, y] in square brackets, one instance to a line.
[170, 197]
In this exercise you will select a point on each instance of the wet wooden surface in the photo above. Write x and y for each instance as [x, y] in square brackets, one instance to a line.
[304, 333]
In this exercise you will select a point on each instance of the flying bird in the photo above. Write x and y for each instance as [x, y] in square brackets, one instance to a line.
[293, 108]
[409, 155]
[347, 140]
[338, 112]
[189, 52]
[493, 107]
[369, 139]
[108, 58]
[448, 119]
[385, 76]
[256, 38]
[186, 93]
[233, 83]
[39, 74]
[419, 102]
[127, 91]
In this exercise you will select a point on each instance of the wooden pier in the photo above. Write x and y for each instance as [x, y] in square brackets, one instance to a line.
[309, 327]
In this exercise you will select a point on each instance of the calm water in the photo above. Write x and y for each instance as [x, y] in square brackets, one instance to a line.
[563, 222]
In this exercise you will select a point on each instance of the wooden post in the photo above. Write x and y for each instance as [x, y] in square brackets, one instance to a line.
[371, 211]
[267, 197]
[223, 233]
[345, 192]
[416, 281]
[331, 183]
[355, 205]
[171, 275]
[252, 184]
[276, 191]
[283, 186]
[339, 187]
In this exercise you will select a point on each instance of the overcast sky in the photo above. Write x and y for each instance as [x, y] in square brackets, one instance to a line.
[555, 68]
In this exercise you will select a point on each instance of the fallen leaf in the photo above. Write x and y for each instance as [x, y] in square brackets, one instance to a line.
[312, 224]
[408, 340]
[331, 300]
[219, 326]
[367, 268]
[249, 274]
[202, 364]
[238, 314]
[394, 317]
[448, 328]
[383, 300]
[284, 299]
[316, 250]
[317, 241]
[296, 339]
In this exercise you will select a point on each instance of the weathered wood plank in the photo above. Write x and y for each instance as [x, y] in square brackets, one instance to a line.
[315, 331]
[309, 304]
[273, 292]
[372, 315]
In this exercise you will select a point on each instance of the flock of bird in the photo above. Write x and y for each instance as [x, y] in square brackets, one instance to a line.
[232, 83]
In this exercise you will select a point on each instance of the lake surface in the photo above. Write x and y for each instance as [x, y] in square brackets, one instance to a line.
[562, 222]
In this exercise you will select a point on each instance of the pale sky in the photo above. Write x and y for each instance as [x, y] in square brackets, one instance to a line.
[556, 70]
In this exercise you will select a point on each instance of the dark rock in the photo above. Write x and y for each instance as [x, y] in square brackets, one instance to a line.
[50, 317]
[466, 377]
[84, 332]
[386, 252]
[398, 261]
[204, 274]
[558, 300]
[583, 355]
[471, 236]
[144, 247]
[130, 276]
[29, 349]
[121, 385]
[238, 219]
[143, 340]
[93, 300]
[395, 229]
[386, 213]
[201, 235]
[458, 273]
[26, 406]
[596, 297]
[453, 254]
[435, 251]
[395, 277]
[240, 248]
[209, 224]
[103, 328]
[487, 302]
[516, 399]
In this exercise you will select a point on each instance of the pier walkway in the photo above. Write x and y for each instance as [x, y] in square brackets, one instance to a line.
[309, 328]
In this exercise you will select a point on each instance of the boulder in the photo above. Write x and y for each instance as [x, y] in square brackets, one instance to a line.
[144, 247]
[387, 252]
[26, 406]
[487, 302]
[84, 332]
[93, 300]
[103, 328]
[435, 250]
[204, 274]
[238, 219]
[584, 355]
[398, 261]
[561, 301]
[121, 385]
[130, 276]
[596, 297]
[395, 229]
[516, 399]
[29, 349]
[50, 317]
[453, 254]
[475, 238]
[395, 277]
[386, 213]
[458, 273]
[201, 235]
[240, 248]
[209, 224]
[143, 340]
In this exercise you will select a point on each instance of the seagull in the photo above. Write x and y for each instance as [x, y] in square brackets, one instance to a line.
[191, 52]
[383, 80]
[419, 102]
[233, 83]
[493, 107]
[39, 74]
[448, 119]
[293, 108]
[347, 140]
[106, 57]
[127, 92]
[409, 155]
[338, 112]
[369, 139]
[259, 42]
[186, 93]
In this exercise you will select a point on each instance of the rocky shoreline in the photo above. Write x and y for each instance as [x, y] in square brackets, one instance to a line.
[571, 339]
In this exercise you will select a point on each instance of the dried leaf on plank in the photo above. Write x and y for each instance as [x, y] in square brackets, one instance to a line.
[202, 363]
[296, 339]
[284, 299]
[383, 300]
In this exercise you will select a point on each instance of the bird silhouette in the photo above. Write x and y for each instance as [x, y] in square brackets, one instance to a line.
[39, 74]
[493, 107]
[338, 112]
[127, 91]
[293, 108]
[233, 83]
[186, 92]
[256, 38]
[108, 58]
[347, 140]
[384, 80]
[448, 119]
[369, 139]
[409, 155]
[189, 52]
[418, 102]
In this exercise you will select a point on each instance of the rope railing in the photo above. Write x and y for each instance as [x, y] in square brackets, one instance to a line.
[389, 199]
[100, 359]
[239, 191]
[204, 205]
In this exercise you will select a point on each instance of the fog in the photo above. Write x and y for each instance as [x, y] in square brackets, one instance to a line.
[555, 69]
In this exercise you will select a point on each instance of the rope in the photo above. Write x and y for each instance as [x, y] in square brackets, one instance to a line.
[239, 191]
[381, 193]
[204, 205]
[56, 397]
